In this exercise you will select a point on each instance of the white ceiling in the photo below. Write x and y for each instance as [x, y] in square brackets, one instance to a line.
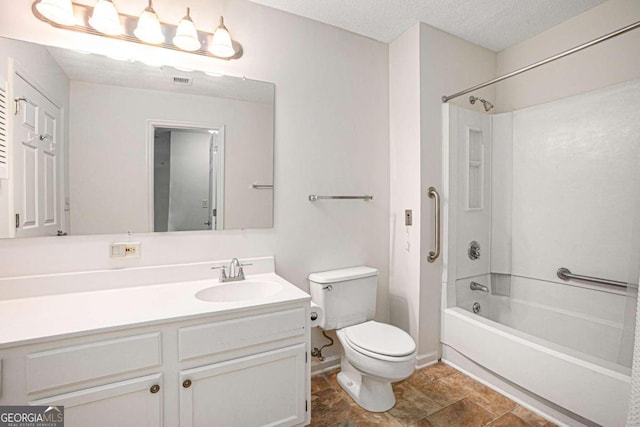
[494, 24]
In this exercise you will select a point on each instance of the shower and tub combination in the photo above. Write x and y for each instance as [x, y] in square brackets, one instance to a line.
[541, 222]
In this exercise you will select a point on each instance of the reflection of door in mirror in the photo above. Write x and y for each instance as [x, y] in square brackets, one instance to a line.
[37, 176]
[187, 178]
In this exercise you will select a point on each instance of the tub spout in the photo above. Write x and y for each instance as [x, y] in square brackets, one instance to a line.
[475, 286]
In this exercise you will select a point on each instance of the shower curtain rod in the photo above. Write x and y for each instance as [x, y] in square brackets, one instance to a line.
[545, 61]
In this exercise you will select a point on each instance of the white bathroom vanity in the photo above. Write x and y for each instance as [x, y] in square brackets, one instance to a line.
[155, 354]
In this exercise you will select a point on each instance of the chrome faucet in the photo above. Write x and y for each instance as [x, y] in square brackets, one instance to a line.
[475, 286]
[236, 273]
[235, 270]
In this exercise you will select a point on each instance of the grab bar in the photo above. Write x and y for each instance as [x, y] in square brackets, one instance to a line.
[262, 186]
[314, 197]
[565, 274]
[433, 255]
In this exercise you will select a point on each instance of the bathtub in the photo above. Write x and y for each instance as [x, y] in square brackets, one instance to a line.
[567, 350]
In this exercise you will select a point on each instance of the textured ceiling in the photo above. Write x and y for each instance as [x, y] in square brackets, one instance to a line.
[494, 24]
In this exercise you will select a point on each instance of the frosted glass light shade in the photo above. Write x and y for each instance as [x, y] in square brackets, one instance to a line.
[58, 11]
[221, 44]
[148, 29]
[187, 35]
[105, 18]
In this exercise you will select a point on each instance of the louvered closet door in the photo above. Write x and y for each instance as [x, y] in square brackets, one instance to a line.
[36, 162]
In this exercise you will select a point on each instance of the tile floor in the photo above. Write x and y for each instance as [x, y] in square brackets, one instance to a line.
[435, 396]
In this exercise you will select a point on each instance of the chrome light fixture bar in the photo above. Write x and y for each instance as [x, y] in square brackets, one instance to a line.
[90, 20]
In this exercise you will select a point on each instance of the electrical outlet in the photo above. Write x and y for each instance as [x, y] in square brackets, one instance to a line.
[205, 203]
[126, 250]
[408, 217]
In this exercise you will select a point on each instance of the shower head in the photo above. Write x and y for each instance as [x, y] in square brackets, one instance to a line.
[486, 104]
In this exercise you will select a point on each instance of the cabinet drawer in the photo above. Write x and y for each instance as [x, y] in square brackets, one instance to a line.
[210, 338]
[75, 364]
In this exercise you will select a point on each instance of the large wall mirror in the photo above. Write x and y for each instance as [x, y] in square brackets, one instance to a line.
[99, 145]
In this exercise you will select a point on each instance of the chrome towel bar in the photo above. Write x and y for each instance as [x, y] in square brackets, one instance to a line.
[314, 197]
[565, 274]
[262, 186]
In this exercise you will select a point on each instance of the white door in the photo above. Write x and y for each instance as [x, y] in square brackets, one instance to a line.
[130, 403]
[36, 162]
[266, 389]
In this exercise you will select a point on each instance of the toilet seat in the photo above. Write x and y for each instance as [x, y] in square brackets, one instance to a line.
[380, 341]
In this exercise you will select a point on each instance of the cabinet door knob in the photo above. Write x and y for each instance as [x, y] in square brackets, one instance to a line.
[186, 383]
[154, 388]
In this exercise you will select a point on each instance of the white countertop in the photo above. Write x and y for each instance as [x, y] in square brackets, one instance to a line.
[29, 320]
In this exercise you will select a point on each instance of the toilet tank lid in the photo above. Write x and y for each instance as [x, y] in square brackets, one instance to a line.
[333, 276]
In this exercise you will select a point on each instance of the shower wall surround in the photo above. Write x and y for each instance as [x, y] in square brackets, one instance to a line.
[575, 185]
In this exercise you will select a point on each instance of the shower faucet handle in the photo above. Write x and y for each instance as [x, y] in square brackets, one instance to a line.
[474, 250]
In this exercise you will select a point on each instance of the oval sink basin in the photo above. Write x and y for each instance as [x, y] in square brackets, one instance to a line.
[239, 291]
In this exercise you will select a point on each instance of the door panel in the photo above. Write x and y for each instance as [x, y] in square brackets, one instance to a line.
[129, 403]
[28, 177]
[50, 189]
[37, 173]
[266, 389]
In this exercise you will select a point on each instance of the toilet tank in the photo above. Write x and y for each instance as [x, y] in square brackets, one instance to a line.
[347, 296]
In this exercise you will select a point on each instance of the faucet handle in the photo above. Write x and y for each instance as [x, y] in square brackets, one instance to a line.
[223, 273]
[241, 272]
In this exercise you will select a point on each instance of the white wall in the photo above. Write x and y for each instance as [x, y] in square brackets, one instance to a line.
[404, 112]
[610, 62]
[425, 64]
[189, 182]
[331, 137]
[249, 160]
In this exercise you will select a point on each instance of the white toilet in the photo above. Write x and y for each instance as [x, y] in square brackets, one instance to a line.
[375, 354]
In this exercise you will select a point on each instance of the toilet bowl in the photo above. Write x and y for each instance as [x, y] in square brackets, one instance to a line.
[374, 354]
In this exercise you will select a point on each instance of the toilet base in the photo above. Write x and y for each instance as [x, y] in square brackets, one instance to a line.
[373, 394]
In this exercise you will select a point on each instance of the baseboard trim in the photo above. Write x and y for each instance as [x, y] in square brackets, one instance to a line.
[424, 360]
[328, 364]
[333, 362]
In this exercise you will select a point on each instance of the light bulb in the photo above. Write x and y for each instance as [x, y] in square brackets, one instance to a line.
[105, 18]
[221, 44]
[186, 35]
[58, 11]
[148, 29]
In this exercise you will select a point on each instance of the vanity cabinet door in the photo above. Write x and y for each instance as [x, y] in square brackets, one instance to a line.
[261, 389]
[131, 403]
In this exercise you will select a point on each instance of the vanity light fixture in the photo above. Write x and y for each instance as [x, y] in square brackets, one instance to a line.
[58, 11]
[104, 20]
[148, 29]
[186, 34]
[221, 44]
